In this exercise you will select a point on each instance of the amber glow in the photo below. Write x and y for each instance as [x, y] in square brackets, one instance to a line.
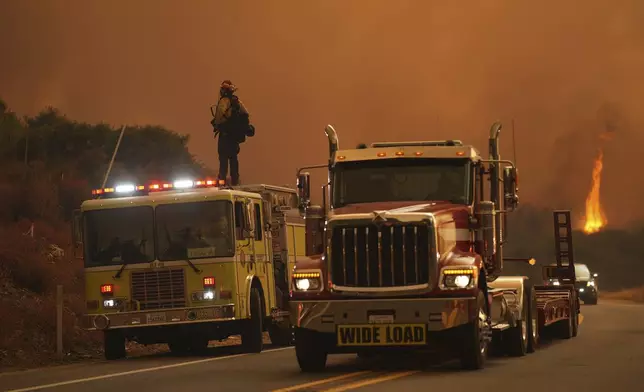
[595, 219]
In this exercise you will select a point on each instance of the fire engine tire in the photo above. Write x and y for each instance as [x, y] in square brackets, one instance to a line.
[114, 345]
[253, 332]
[310, 353]
[281, 336]
[475, 347]
[533, 315]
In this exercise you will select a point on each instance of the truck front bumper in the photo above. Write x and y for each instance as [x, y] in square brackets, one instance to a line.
[158, 317]
[437, 313]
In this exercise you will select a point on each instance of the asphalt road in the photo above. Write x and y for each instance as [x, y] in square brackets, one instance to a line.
[607, 355]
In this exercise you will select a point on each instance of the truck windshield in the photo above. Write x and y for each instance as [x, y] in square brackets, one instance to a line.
[194, 230]
[402, 179]
[119, 235]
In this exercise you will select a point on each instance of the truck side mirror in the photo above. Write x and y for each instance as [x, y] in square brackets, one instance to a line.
[303, 190]
[249, 220]
[77, 233]
[314, 221]
[510, 188]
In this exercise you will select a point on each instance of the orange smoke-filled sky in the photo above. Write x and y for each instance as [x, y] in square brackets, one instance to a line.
[419, 69]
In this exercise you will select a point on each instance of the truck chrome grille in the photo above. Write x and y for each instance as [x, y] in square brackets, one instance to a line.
[373, 255]
[159, 289]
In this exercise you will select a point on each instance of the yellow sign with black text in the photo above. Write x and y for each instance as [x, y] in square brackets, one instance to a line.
[382, 335]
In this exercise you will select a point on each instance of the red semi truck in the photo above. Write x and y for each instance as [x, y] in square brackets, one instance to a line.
[406, 252]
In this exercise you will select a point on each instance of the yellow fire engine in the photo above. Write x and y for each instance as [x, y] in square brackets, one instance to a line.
[188, 262]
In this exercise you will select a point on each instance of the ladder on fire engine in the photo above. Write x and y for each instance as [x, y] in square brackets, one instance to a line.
[563, 247]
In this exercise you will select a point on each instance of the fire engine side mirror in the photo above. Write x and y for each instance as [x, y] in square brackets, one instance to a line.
[510, 188]
[303, 190]
[249, 220]
[77, 233]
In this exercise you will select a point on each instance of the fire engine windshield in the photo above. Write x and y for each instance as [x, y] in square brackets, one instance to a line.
[194, 230]
[119, 235]
[402, 180]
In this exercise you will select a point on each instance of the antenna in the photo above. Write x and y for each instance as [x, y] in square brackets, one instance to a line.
[514, 144]
[109, 168]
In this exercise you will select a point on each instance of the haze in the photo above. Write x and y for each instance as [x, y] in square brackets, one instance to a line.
[376, 70]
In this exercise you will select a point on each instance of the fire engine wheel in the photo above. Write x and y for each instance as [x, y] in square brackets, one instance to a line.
[114, 344]
[476, 338]
[310, 353]
[253, 332]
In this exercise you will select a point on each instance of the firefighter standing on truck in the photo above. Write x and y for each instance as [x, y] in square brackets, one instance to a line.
[231, 124]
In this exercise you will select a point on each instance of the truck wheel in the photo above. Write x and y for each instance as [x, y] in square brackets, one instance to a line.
[310, 353]
[566, 327]
[517, 337]
[475, 338]
[114, 345]
[281, 336]
[533, 316]
[253, 331]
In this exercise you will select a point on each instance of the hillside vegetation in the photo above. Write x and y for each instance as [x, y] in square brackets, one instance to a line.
[48, 166]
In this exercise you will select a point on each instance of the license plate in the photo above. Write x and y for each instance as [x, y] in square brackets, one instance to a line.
[382, 335]
[381, 319]
[155, 318]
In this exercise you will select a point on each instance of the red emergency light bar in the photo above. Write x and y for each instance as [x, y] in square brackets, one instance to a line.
[141, 190]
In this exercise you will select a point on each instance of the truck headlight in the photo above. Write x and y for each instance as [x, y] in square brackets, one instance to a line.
[112, 303]
[458, 278]
[206, 295]
[591, 283]
[307, 281]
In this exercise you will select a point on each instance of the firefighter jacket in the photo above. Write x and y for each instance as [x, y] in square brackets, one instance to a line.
[224, 111]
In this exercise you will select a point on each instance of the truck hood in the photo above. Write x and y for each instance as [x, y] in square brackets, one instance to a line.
[404, 206]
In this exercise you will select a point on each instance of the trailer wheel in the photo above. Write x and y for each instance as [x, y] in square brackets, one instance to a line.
[476, 342]
[253, 332]
[533, 316]
[114, 344]
[310, 353]
[565, 327]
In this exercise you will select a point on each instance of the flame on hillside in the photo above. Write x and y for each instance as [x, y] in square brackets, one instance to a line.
[595, 219]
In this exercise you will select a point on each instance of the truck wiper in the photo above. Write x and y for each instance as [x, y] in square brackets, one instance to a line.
[194, 268]
[120, 271]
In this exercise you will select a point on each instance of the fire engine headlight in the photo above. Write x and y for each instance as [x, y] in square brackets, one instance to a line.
[206, 295]
[307, 281]
[112, 303]
[458, 278]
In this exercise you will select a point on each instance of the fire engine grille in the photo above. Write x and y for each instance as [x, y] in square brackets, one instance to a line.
[159, 289]
[381, 255]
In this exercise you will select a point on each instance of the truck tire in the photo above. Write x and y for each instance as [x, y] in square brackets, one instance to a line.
[475, 345]
[533, 317]
[114, 344]
[310, 353]
[253, 330]
[517, 337]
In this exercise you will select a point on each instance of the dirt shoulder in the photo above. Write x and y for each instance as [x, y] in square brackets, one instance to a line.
[632, 295]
